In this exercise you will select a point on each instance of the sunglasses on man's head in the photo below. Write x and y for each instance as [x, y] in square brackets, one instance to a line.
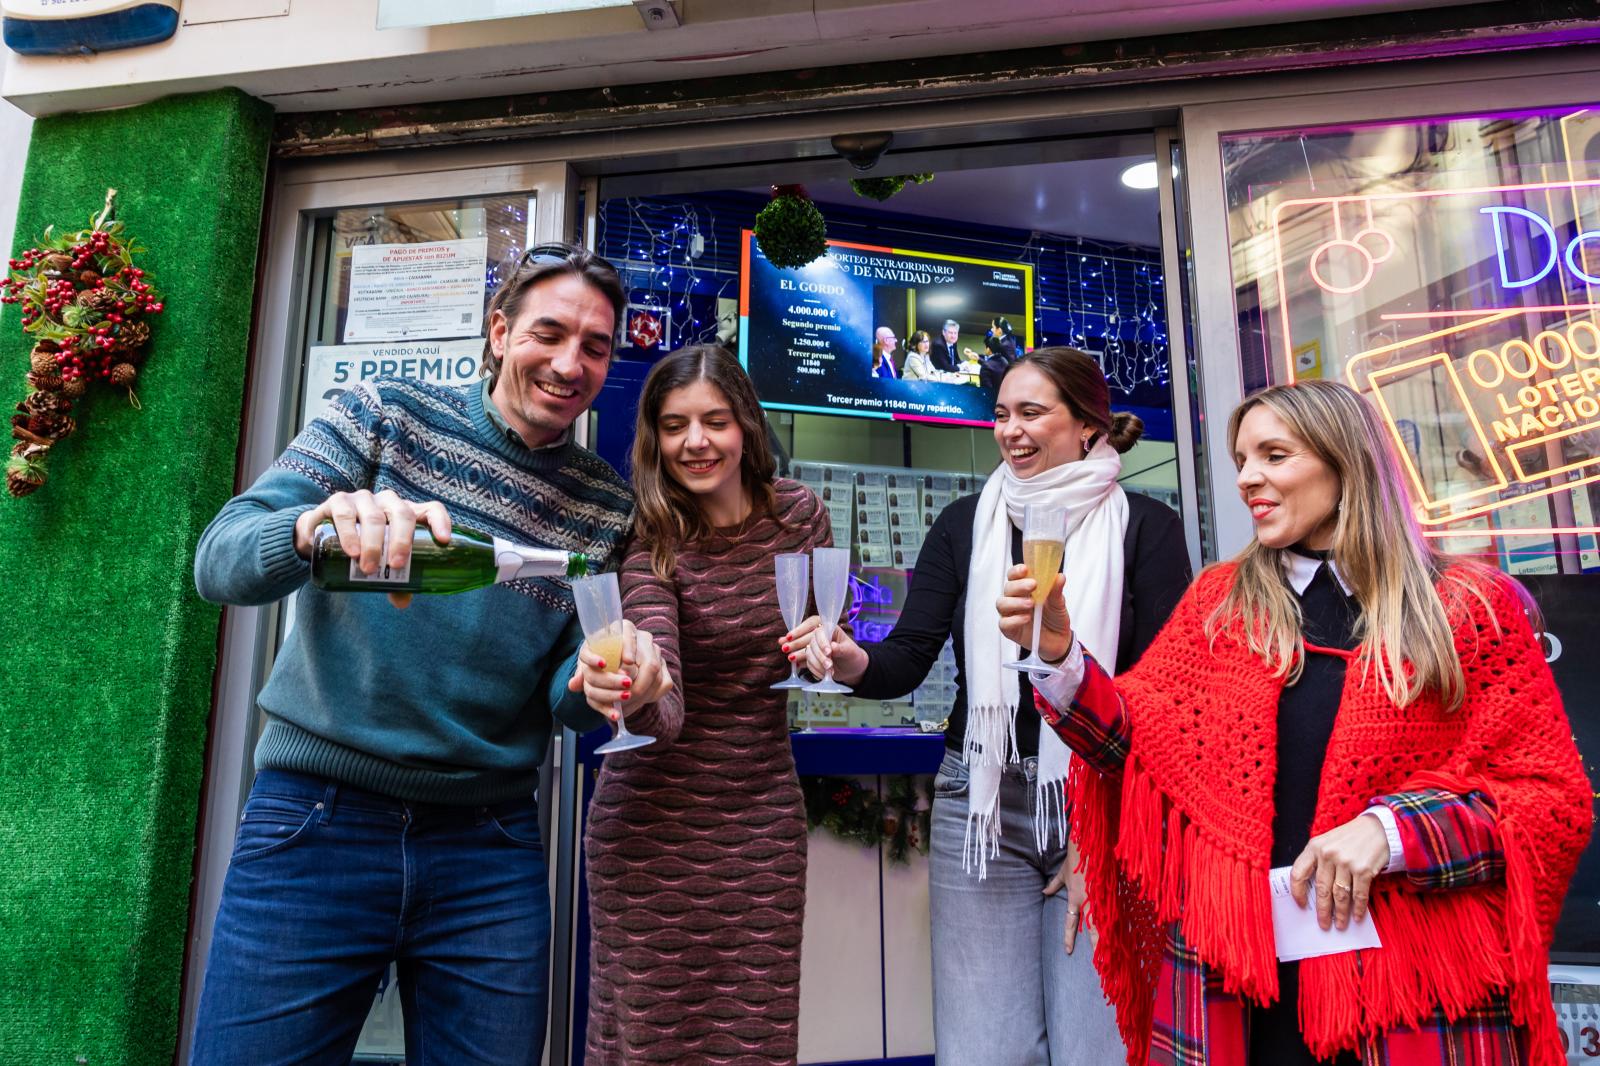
[545, 255]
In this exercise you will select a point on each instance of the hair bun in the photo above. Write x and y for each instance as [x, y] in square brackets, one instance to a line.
[1126, 429]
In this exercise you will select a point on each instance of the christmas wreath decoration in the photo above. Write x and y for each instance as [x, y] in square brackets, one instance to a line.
[791, 230]
[899, 817]
[85, 304]
[880, 189]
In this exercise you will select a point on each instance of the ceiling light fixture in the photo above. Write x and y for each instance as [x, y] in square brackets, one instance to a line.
[1140, 175]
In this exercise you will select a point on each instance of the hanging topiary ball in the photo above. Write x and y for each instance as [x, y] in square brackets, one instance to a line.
[791, 230]
[880, 189]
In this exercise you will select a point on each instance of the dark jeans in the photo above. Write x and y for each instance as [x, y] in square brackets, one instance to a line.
[329, 884]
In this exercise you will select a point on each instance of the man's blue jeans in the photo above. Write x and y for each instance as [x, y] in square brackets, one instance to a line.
[329, 884]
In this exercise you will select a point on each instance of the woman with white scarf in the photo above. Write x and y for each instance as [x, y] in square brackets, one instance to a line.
[1008, 989]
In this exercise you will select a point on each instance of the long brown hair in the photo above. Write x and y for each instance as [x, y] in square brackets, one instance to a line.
[668, 516]
[1082, 385]
[1395, 572]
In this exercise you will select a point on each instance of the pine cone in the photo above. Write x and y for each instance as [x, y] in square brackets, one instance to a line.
[25, 470]
[123, 374]
[60, 262]
[45, 403]
[133, 335]
[45, 380]
[52, 426]
[42, 361]
[72, 388]
[103, 301]
[89, 278]
[20, 483]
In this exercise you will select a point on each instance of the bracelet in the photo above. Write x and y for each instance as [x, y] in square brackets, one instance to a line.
[1064, 656]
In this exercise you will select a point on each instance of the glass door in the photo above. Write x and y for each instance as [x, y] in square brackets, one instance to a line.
[372, 270]
[1438, 250]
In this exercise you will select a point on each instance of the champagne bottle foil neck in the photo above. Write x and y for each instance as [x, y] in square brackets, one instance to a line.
[512, 561]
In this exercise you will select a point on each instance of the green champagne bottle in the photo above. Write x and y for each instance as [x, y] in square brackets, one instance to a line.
[472, 560]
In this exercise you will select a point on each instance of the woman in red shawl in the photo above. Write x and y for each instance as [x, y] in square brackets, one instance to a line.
[1343, 700]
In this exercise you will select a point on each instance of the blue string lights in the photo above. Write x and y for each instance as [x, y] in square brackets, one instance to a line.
[672, 263]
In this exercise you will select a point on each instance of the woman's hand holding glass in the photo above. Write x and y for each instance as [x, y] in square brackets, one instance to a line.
[1016, 606]
[805, 644]
[640, 679]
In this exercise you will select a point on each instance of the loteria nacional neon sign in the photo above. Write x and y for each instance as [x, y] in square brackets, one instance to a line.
[1525, 379]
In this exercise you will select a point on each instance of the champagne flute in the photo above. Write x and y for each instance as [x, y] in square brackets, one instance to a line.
[830, 577]
[794, 582]
[1044, 543]
[599, 603]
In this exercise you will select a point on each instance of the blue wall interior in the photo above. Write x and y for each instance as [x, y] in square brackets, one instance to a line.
[1106, 298]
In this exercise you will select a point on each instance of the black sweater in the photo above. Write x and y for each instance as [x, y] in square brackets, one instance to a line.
[1156, 572]
[1306, 713]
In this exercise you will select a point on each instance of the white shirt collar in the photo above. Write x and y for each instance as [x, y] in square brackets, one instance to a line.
[1302, 568]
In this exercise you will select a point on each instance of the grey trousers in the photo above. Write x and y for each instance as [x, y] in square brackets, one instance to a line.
[1005, 991]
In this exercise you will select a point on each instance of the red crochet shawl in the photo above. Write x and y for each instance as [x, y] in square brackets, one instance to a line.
[1184, 833]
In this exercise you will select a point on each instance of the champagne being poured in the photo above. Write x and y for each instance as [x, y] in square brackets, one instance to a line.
[472, 560]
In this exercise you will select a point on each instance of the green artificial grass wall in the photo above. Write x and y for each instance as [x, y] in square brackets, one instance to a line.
[106, 673]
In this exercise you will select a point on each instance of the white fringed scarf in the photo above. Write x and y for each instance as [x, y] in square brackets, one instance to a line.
[1097, 520]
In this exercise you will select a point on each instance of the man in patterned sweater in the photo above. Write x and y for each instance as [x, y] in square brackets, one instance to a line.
[393, 817]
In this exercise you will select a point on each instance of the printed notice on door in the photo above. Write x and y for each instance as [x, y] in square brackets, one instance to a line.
[416, 291]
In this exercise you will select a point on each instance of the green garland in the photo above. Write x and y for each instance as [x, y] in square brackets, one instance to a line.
[791, 230]
[87, 306]
[880, 189]
[899, 817]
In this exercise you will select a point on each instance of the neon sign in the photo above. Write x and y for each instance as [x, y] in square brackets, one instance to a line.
[1541, 228]
[1509, 391]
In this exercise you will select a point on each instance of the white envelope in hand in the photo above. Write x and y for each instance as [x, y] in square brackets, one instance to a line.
[1297, 934]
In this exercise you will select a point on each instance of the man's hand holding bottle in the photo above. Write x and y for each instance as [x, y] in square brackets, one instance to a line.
[364, 521]
[638, 681]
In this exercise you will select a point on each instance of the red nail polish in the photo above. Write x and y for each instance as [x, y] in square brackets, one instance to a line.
[626, 681]
[786, 647]
[602, 664]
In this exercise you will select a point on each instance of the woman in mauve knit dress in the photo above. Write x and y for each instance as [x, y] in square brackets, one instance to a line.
[696, 845]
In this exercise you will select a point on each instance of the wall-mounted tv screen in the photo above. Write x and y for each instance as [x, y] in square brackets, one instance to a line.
[807, 334]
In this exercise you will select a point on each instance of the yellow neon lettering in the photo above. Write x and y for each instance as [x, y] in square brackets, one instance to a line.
[1592, 332]
[1571, 384]
[1542, 344]
[1591, 377]
[1550, 416]
[1505, 408]
[1528, 396]
[1530, 424]
[1505, 429]
[1587, 406]
[1528, 353]
[1472, 369]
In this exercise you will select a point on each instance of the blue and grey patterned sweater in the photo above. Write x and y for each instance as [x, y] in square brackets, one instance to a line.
[451, 700]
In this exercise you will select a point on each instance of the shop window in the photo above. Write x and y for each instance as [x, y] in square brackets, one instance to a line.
[924, 259]
[1449, 269]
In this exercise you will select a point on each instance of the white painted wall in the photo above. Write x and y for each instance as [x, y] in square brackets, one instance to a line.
[15, 129]
[315, 55]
